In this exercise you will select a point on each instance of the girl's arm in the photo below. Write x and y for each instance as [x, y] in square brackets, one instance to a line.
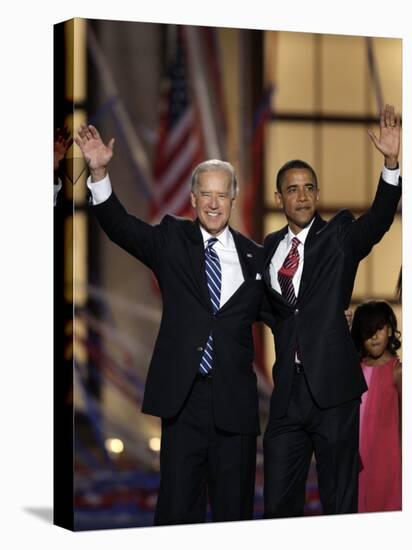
[397, 378]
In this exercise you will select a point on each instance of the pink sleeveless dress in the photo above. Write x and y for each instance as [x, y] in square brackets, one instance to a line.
[380, 482]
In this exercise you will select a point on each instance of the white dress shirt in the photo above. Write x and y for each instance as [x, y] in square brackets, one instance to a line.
[232, 275]
[56, 188]
[100, 190]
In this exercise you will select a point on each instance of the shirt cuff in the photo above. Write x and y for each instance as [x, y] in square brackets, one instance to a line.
[56, 189]
[100, 190]
[391, 176]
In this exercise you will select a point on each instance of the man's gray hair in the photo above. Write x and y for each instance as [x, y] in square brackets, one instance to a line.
[214, 165]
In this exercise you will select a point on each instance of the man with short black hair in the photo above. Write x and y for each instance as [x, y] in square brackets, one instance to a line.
[309, 271]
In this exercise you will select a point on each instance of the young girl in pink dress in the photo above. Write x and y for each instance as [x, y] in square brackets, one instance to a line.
[374, 330]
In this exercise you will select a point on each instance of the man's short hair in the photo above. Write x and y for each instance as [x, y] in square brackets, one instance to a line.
[214, 165]
[290, 165]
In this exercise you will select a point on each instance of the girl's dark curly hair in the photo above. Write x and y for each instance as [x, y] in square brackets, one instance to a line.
[368, 318]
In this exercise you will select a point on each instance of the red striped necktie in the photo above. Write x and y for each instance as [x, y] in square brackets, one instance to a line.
[287, 271]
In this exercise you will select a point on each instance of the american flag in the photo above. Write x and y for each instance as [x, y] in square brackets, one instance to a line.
[180, 145]
[260, 119]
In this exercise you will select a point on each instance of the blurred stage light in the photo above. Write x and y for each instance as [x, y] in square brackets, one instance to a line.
[114, 445]
[154, 443]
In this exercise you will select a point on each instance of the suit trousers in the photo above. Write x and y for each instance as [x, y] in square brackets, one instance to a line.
[289, 442]
[199, 461]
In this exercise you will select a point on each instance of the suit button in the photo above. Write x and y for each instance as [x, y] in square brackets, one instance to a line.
[296, 311]
[200, 348]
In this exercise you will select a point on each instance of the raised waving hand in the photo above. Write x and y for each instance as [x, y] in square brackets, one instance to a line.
[388, 142]
[95, 152]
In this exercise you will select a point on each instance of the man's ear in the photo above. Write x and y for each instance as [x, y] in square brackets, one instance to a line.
[278, 200]
[193, 199]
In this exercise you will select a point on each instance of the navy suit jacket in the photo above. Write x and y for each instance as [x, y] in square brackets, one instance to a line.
[317, 323]
[174, 250]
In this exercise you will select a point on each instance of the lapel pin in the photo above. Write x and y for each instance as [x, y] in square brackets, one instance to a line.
[249, 255]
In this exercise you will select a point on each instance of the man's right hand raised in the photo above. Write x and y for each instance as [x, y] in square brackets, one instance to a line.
[95, 152]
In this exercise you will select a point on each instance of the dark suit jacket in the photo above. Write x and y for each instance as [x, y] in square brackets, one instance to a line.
[174, 250]
[317, 323]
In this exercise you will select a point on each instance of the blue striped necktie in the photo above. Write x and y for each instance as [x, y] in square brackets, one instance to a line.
[214, 284]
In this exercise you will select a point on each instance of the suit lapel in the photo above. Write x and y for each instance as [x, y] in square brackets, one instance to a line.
[310, 258]
[272, 247]
[247, 260]
[196, 251]
[274, 243]
[246, 256]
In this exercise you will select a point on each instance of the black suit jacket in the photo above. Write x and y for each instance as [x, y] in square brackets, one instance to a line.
[174, 250]
[317, 323]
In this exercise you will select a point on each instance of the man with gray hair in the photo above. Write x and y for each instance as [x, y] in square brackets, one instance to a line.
[200, 380]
